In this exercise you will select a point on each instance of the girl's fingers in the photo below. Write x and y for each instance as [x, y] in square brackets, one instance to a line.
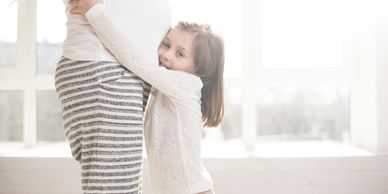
[72, 4]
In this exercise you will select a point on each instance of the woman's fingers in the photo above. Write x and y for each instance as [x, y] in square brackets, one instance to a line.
[75, 11]
[77, 7]
[73, 7]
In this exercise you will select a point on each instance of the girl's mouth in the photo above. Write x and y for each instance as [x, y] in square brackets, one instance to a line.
[163, 65]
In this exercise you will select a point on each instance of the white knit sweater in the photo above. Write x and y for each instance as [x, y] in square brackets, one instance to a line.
[174, 121]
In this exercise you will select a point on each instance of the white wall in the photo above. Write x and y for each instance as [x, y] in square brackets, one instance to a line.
[341, 175]
[382, 75]
[369, 104]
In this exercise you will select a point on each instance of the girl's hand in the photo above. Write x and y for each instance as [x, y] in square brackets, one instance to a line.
[82, 6]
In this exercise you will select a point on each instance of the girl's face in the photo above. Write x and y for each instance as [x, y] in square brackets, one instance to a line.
[176, 51]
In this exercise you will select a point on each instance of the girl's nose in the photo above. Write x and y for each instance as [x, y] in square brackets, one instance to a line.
[167, 55]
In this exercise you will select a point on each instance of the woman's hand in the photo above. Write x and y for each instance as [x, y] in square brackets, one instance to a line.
[82, 6]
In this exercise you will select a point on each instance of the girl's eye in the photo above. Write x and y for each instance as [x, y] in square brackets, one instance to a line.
[180, 54]
[165, 45]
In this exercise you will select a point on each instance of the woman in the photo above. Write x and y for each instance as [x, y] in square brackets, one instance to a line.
[102, 101]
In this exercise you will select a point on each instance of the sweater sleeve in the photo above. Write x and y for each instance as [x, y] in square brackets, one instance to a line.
[172, 83]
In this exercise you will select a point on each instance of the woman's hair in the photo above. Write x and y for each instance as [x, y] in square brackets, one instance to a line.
[209, 66]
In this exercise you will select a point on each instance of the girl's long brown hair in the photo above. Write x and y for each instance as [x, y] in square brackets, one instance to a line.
[209, 66]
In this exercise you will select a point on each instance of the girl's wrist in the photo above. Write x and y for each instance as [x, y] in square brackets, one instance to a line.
[94, 11]
[83, 6]
[90, 4]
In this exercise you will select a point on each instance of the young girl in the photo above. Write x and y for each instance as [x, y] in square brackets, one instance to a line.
[187, 94]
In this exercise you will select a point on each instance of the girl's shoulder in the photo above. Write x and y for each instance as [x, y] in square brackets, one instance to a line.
[187, 85]
[194, 80]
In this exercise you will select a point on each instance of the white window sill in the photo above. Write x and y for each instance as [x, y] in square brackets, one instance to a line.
[296, 149]
[54, 150]
[213, 149]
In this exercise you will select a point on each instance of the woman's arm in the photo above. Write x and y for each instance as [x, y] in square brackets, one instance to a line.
[172, 83]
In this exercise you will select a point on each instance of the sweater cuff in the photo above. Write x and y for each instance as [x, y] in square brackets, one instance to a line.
[94, 11]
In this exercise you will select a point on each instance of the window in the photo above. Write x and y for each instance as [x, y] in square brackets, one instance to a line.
[31, 111]
[308, 37]
[11, 99]
[303, 113]
[289, 69]
[11, 105]
[8, 18]
[51, 32]
[50, 126]
[298, 54]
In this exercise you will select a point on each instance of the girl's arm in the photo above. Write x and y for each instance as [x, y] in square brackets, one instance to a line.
[173, 83]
